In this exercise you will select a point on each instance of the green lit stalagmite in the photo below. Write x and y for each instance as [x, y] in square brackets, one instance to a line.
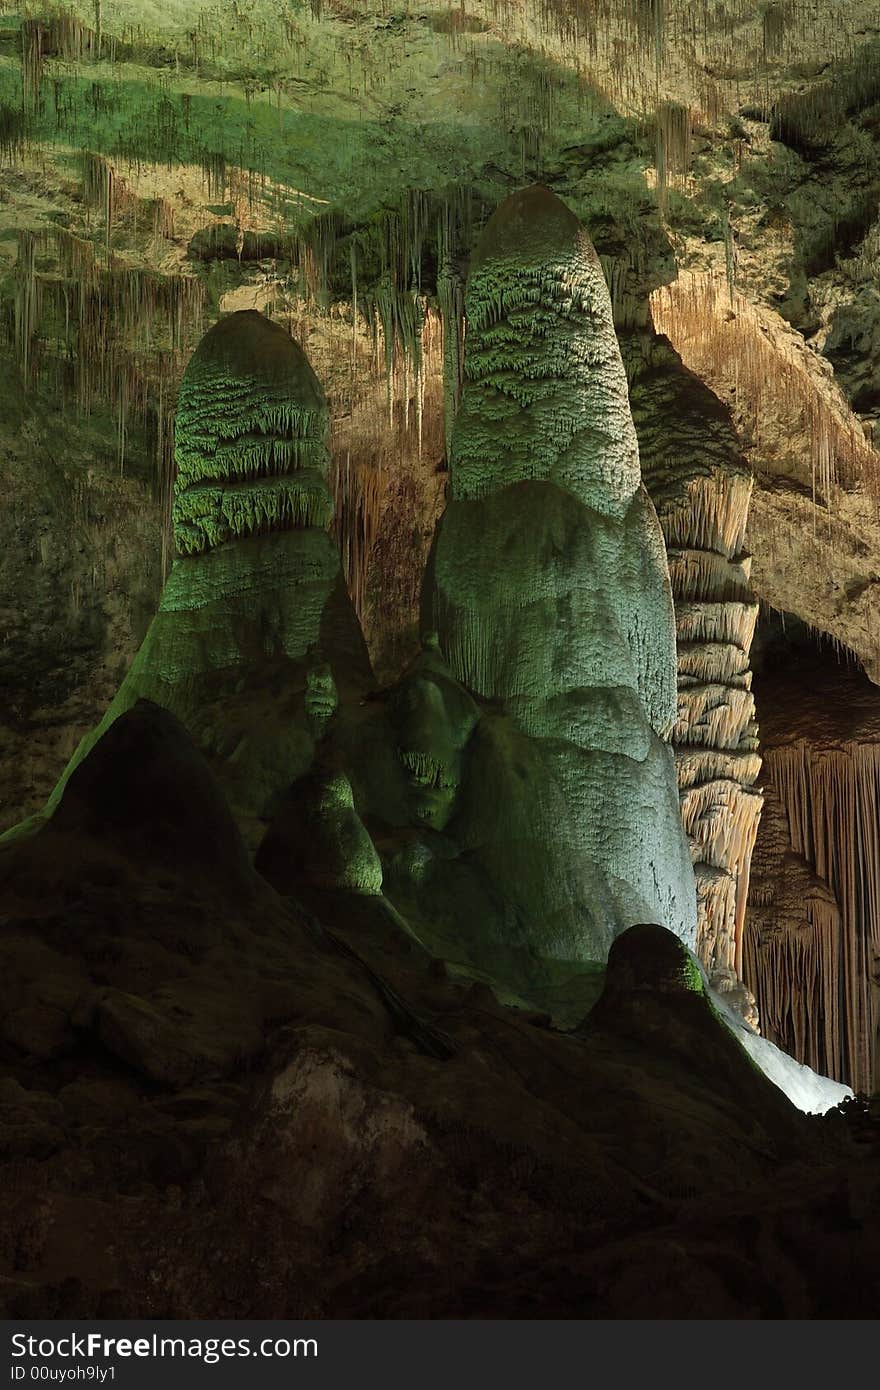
[250, 437]
[254, 616]
[550, 590]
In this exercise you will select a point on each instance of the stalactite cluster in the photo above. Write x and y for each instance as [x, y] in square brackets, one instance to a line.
[104, 190]
[810, 120]
[630, 41]
[104, 332]
[617, 49]
[792, 947]
[391, 356]
[727, 342]
[830, 796]
[61, 35]
[387, 434]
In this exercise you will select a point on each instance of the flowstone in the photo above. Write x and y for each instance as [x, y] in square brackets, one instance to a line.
[549, 587]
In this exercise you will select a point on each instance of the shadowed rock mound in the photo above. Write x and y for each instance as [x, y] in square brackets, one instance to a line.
[222, 1106]
[146, 791]
[654, 1007]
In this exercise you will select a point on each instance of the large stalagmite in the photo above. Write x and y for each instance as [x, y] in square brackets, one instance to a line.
[255, 612]
[549, 585]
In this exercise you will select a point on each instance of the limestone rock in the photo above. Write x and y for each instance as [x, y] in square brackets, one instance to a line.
[318, 839]
[549, 584]
[31, 1122]
[182, 1034]
[38, 1030]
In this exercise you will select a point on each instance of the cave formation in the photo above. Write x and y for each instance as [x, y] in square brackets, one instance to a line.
[439, 765]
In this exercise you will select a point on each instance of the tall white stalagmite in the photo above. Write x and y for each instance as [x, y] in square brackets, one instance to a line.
[550, 585]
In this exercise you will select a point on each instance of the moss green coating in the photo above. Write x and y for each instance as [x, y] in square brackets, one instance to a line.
[255, 604]
[250, 437]
[205, 517]
[545, 396]
[550, 590]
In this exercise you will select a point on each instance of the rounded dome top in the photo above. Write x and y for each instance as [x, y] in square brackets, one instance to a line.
[532, 224]
[247, 344]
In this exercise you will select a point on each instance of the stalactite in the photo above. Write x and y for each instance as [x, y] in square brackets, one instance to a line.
[792, 948]
[727, 342]
[830, 795]
[673, 151]
[104, 332]
[13, 131]
[450, 295]
[28, 299]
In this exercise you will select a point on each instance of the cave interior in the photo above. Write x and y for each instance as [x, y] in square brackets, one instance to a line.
[439, 656]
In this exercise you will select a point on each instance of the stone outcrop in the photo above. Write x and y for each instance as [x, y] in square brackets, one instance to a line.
[548, 583]
[216, 1048]
[812, 519]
